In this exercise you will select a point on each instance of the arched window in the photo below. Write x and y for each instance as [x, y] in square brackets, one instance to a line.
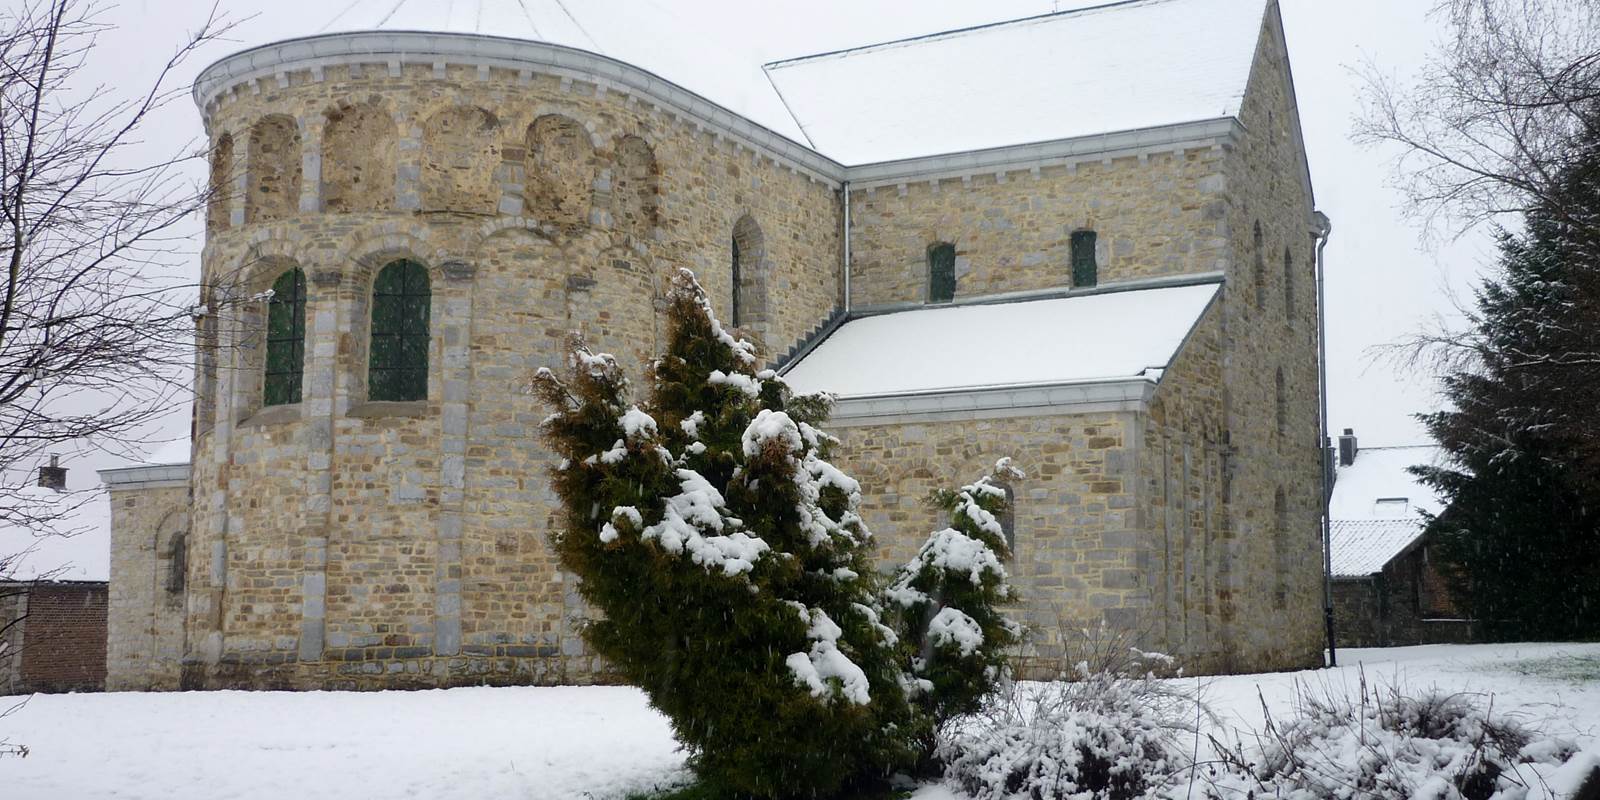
[748, 277]
[1283, 403]
[1288, 286]
[398, 364]
[1261, 270]
[286, 339]
[219, 206]
[1085, 271]
[274, 170]
[941, 272]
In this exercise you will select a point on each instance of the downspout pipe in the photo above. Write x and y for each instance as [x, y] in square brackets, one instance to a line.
[1323, 228]
[846, 248]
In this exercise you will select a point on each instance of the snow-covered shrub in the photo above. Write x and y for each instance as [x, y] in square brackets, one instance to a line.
[1383, 742]
[1114, 726]
[945, 603]
[727, 556]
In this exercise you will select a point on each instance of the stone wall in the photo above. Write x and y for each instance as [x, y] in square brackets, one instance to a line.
[1078, 549]
[345, 542]
[1271, 437]
[59, 641]
[149, 554]
[1153, 215]
[1405, 604]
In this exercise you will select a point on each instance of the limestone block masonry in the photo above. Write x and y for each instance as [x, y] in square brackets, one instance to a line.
[344, 541]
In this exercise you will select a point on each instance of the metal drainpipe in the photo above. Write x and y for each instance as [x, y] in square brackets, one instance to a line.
[1324, 227]
[846, 248]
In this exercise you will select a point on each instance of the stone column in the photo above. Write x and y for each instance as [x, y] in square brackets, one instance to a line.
[456, 388]
[310, 164]
[317, 413]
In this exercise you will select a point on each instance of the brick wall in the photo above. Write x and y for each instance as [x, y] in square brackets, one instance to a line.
[1405, 604]
[60, 645]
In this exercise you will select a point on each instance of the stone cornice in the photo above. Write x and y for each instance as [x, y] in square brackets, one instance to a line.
[154, 476]
[1122, 394]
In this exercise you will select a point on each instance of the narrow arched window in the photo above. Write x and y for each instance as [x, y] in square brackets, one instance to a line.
[1085, 270]
[941, 273]
[1288, 285]
[1261, 270]
[398, 363]
[1283, 404]
[286, 339]
[748, 269]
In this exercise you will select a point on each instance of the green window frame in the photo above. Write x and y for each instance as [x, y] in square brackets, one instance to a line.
[397, 365]
[286, 340]
[1085, 271]
[941, 273]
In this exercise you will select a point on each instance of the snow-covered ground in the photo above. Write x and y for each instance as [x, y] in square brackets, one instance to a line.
[571, 742]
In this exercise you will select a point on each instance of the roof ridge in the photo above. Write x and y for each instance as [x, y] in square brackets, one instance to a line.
[844, 51]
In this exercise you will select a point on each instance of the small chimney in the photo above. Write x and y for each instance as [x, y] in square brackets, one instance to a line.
[53, 477]
[1347, 448]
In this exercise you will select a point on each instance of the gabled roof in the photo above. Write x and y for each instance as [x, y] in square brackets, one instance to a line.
[1077, 338]
[1363, 547]
[1376, 505]
[1378, 485]
[1117, 67]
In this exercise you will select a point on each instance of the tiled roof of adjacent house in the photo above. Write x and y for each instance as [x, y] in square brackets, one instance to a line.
[1363, 547]
[1376, 507]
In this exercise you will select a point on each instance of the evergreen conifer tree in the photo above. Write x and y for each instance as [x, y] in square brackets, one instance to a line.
[946, 603]
[730, 564]
[1521, 529]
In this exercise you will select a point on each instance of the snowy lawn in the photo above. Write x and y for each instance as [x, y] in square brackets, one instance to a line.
[572, 742]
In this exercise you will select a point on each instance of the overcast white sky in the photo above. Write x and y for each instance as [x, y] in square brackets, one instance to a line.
[1382, 283]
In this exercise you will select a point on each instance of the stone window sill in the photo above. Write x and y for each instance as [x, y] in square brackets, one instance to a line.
[272, 415]
[379, 409]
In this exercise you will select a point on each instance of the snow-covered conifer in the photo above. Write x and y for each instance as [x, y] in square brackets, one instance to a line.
[729, 561]
[946, 602]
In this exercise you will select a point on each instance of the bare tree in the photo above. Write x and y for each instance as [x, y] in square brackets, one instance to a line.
[96, 334]
[1488, 126]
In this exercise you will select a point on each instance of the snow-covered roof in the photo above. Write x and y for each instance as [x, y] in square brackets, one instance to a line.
[1116, 67]
[1375, 507]
[1059, 340]
[1377, 484]
[1362, 547]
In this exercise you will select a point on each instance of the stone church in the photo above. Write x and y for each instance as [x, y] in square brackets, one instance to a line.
[1084, 240]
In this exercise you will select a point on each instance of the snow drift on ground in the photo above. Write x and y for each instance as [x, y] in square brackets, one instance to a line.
[580, 742]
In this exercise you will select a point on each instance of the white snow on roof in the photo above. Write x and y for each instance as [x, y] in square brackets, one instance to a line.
[1362, 547]
[1375, 507]
[1378, 486]
[951, 348]
[1117, 67]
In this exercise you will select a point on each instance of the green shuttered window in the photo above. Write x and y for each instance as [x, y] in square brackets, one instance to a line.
[398, 363]
[286, 339]
[941, 273]
[1085, 272]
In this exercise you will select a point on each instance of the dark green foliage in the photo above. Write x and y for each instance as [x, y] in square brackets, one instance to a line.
[1522, 525]
[946, 601]
[729, 564]
[398, 363]
[286, 339]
